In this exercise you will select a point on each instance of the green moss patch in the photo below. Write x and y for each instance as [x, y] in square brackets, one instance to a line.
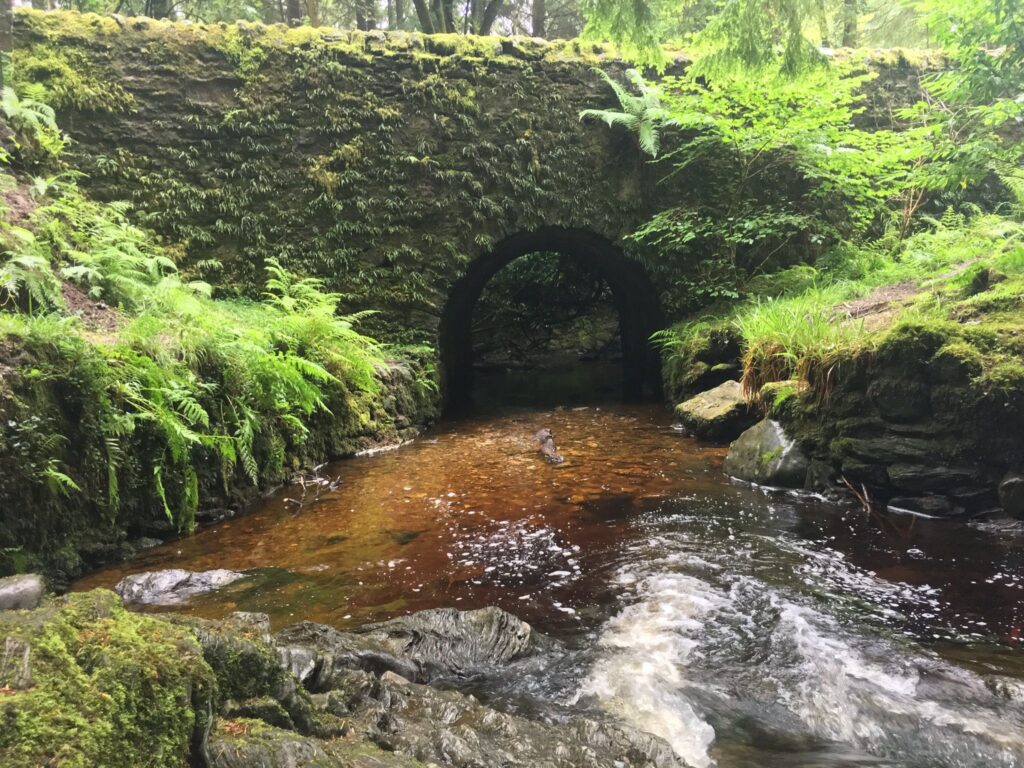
[108, 688]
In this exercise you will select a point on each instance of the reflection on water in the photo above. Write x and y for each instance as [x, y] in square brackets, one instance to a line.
[748, 629]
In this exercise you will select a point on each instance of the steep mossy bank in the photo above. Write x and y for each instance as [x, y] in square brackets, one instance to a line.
[58, 395]
[133, 404]
[903, 378]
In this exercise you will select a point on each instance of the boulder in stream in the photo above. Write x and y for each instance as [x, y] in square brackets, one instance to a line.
[172, 586]
[721, 413]
[1011, 493]
[766, 456]
[21, 592]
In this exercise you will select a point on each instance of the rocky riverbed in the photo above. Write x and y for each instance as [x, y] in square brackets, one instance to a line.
[229, 694]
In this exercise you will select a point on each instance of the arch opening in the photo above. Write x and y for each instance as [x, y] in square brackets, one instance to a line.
[632, 297]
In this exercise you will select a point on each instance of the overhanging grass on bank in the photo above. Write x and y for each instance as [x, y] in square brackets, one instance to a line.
[962, 279]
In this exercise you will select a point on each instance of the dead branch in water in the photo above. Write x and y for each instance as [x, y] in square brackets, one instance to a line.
[313, 486]
[871, 509]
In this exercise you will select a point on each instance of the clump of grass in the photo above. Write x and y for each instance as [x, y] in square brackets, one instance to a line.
[793, 324]
[799, 337]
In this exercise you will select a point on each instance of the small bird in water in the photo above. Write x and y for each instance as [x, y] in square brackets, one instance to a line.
[547, 447]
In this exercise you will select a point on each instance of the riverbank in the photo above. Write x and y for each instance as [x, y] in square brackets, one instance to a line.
[175, 691]
[135, 405]
[897, 371]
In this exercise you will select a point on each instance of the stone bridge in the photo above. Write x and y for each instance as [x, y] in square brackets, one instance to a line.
[405, 169]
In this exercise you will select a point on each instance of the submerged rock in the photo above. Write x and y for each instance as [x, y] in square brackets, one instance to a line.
[172, 586]
[932, 505]
[766, 456]
[721, 413]
[1011, 493]
[21, 592]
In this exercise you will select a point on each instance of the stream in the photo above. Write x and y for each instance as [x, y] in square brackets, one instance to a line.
[747, 628]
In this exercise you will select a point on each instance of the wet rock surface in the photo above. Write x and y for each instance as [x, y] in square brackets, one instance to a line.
[21, 592]
[766, 456]
[236, 703]
[425, 646]
[172, 586]
[721, 413]
[1011, 493]
[376, 681]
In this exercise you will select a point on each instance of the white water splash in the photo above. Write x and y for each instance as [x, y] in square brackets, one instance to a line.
[646, 649]
[700, 631]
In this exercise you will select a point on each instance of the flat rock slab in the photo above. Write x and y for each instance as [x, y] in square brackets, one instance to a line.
[22, 592]
[172, 586]
[721, 413]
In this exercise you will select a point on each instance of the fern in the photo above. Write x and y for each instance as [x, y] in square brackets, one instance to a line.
[34, 121]
[641, 114]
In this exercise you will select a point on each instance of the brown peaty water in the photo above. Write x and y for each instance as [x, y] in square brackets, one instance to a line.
[747, 628]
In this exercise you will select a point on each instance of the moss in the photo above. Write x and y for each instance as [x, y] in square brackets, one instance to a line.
[110, 688]
[61, 71]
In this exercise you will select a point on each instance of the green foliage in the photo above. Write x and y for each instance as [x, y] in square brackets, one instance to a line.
[172, 400]
[972, 105]
[641, 115]
[799, 337]
[633, 25]
[759, 36]
[797, 324]
[792, 177]
[540, 305]
[34, 133]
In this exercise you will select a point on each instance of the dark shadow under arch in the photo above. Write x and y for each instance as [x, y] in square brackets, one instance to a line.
[635, 298]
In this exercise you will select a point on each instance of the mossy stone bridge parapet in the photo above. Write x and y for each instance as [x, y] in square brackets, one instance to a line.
[395, 165]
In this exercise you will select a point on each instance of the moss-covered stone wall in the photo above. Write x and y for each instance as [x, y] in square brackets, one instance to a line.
[384, 162]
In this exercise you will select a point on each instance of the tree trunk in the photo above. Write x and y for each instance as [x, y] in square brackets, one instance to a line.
[399, 14]
[539, 14]
[424, 16]
[271, 12]
[313, 12]
[491, 11]
[293, 12]
[6, 36]
[849, 23]
[158, 9]
[448, 15]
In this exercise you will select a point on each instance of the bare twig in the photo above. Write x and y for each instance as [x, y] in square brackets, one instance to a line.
[313, 488]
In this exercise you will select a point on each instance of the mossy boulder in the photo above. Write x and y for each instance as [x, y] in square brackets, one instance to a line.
[721, 413]
[765, 455]
[105, 688]
[244, 743]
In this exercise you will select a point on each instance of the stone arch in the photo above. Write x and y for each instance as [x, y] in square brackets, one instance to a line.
[635, 298]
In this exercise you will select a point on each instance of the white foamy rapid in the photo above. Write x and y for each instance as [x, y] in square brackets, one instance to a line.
[704, 643]
[648, 648]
